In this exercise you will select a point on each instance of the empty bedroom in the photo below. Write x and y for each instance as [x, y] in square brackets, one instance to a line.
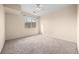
[38, 29]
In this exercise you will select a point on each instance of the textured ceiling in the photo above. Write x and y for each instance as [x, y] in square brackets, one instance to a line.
[45, 8]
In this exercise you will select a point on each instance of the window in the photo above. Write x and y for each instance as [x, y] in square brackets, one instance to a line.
[30, 22]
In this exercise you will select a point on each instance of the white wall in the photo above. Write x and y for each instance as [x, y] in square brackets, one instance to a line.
[61, 24]
[2, 27]
[78, 27]
[15, 27]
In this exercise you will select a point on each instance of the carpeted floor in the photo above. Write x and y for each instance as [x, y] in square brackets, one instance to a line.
[39, 44]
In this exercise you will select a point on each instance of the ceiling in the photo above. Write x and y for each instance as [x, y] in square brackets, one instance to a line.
[45, 8]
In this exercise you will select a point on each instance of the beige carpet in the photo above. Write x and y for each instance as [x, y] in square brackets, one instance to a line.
[39, 44]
